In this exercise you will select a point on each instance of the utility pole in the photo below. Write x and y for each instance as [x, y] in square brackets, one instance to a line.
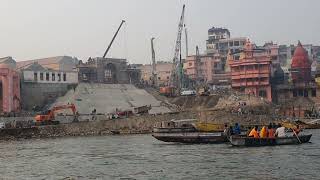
[154, 73]
[187, 48]
[198, 62]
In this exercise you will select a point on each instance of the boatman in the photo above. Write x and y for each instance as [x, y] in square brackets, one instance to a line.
[296, 130]
[254, 132]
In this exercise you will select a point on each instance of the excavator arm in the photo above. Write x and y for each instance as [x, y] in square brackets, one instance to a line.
[49, 116]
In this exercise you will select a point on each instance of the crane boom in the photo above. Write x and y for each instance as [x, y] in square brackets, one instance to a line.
[154, 74]
[114, 37]
[176, 73]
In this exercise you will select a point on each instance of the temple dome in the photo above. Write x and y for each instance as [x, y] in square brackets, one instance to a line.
[300, 65]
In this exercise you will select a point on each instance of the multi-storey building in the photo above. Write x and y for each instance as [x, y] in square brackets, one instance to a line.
[251, 74]
[163, 71]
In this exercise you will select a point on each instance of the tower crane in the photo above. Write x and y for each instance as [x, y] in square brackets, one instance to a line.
[154, 73]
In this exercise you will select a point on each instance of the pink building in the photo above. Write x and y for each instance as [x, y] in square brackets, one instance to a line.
[10, 86]
[251, 73]
[163, 71]
[203, 70]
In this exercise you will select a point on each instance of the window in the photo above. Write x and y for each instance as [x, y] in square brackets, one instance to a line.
[300, 92]
[53, 77]
[190, 64]
[314, 93]
[41, 76]
[47, 76]
[167, 77]
[262, 93]
[159, 78]
[35, 76]
[236, 43]
[64, 77]
[59, 77]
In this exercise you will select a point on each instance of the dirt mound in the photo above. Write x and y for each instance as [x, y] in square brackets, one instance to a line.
[195, 102]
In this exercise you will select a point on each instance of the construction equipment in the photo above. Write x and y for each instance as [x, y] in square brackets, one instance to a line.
[167, 91]
[154, 73]
[48, 117]
[115, 35]
[175, 81]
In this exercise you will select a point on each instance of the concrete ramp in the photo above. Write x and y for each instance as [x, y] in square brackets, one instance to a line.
[105, 98]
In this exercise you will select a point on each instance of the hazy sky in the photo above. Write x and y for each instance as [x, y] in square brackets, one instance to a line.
[32, 29]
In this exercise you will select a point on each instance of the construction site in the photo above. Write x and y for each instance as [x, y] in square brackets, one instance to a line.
[64, 96]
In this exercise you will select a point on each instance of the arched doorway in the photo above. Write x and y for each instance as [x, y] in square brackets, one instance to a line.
[110, 74]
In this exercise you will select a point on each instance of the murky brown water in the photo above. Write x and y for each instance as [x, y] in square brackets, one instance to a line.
[142, 157]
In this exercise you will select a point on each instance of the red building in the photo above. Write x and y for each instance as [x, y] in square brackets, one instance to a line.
[251, 73]
[300, 66]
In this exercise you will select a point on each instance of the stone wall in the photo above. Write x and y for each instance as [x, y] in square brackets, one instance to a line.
[132, 125]
[41, 94]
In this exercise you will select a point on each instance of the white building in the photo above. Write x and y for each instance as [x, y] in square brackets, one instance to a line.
[35, 73]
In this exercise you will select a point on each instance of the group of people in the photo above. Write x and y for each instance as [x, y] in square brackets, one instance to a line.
[271, 132]
[228, 131]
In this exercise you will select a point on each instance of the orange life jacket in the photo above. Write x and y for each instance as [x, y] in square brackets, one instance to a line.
[254, 133]
[263, 132]
[271, 133]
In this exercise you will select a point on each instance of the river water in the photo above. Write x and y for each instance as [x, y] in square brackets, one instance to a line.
[142, 157]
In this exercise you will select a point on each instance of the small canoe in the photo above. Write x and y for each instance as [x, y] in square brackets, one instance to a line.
[195, 137]
[250, 141]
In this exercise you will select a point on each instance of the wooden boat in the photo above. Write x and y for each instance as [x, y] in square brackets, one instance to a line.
[250, 141]
[175, 126]
[195, 137]
[173, 130]
[209, 127]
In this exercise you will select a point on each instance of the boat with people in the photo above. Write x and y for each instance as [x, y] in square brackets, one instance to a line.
[191, 137]
[175, 126]
[252, 141]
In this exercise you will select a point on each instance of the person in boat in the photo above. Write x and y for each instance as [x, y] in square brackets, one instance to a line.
[226, 130]
[254, 132]
[270, 131]
[230, 131]
[280, 131]
[263, 132]
[236, 129]
[296, 130]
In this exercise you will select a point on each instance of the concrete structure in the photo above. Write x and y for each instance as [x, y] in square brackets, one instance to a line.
[252, 72]
[35, 73]
[205, 69]
[57, 63]
[10, 86]
[41, 86]
[106, 98]
[163, 71]
[109, 70]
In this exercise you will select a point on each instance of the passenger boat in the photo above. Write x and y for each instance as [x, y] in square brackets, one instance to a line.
[175, 126]
[250, 141]
[209, 127]
[194, 137]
